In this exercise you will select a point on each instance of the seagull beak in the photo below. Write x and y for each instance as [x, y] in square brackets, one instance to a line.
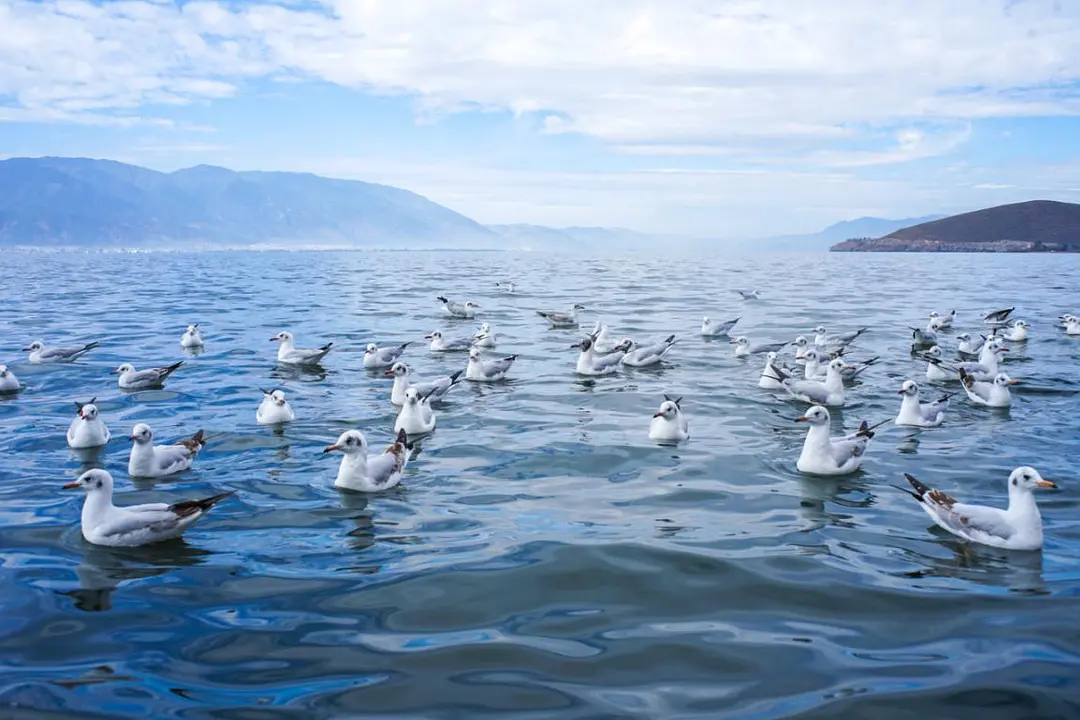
[26, 349]
[575, 346]
[428, 337]
[802, 418]
[331, 448]
[73, 485]
[900, 391]
[733, 342]
[1014, 382]
[1040, 483]
[389, 372]
[274, 339]
[849, 367]
[657, 414]
[114, 372]
[131, 438]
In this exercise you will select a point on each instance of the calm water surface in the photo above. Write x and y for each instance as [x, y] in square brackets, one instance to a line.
[542, 559]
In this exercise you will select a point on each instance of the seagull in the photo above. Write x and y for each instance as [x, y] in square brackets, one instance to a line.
[923, 338]
[416, 416]
[829, 393]
[743, 347]
[711, 328]
[850, 373]
[669, 425]
[434, 389]
[461, 310]
[274, 409]
[1072, 327]
[484, 337]
[998, 317]
[941, 322]
[823, 339]
[802, 347]
[87, 430]
[601, 338]
[363, 474]
[132, 379]
[562, 320]
[8, 382]
[40, 354]
[590, 362]
[749, 294]
[918, 414]
[647, 355]
[989, 394]
[191, 338]
[1017, 333]
[148, 460]
[106, 524]
[1066, 319]
[377, 357]
[988, 364]
[771, 374]
[290, 355]
[936, 369]
[505, 285]
[480, 370]
[438, 344]
[825, 455]
[966, 346]
[1019, 527]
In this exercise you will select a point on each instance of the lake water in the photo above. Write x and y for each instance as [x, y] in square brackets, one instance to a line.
[543, 558]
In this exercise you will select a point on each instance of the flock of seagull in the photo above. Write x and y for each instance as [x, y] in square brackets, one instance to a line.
[818, 376]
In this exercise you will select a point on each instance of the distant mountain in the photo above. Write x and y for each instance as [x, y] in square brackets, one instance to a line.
[1033, 226]
[822, 241]
[541, 237]
[83, 202]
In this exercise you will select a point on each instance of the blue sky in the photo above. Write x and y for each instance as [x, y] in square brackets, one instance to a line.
[729, 119]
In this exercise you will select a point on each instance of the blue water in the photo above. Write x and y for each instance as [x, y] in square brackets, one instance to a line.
[542, 558]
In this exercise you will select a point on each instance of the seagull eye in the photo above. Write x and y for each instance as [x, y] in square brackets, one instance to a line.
[99, 483]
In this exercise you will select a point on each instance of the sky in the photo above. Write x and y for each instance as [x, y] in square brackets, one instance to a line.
[726, 119]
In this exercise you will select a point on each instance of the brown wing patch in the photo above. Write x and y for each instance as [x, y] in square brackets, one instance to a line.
[195, 443]
[190, 507]
[939, 498]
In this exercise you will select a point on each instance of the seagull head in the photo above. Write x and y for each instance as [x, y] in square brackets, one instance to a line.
[349, 442]
[471, 305]
[800, 342]
[584, 345]
[283, 336]
[1003, 380]
[668, 410]
[34, 346]
[817, 415]
[398, 369]
[909, 388]
[578, 306]
[277, 397]
[437, 335]
[125, 368]
[1026, 479]
[141, 434]
[819, 330]
[3, 371]
[88, 412]
[95, 480]
[412, 396]
[193, 329]
[933, 351]
[741, 340]
[474, 353]
[370, 348]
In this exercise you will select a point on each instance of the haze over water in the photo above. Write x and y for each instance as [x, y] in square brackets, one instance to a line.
[542, 558]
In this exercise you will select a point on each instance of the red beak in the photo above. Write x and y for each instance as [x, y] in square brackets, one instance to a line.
[70, 486]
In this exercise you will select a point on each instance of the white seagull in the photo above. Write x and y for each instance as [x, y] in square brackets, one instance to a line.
[377, 357]
[416, 416]
[562, 320]
[106, 524]
[918, 414]
[466, 309]
[481, 370]
[647, 355]
[438, 344]
[823, 339]
[988, 364]
[484, 337]
[749, 294]
[998, 318]
[192, 337]
[923, 338]
[989, 394]
[941, 322]
[291, 355]
[771, 373]
[1018, 527]
[829, 393]
[590, 362]
[936, 368]
[1072, 327]
[1017, 333]
[669, 425]
[434, 389]
[8, 382]
[802, 347]
[132, 379]
[87, 430]
[505, 285]
[360, 473]
[148, 460]
[825, 455]
[40, 354]
[712, 328]
[743, 347]
[274, 409]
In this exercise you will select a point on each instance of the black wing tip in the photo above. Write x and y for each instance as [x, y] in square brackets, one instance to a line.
[920, 487]
[327, 346]
[440, 298]
[511, 357]
[402, 438]
[198, 437]
[455, 376]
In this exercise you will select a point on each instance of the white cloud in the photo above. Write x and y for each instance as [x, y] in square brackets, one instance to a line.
[811, 91]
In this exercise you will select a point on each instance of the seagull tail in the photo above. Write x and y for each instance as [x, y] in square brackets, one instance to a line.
[191, 507]
[920, 488]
